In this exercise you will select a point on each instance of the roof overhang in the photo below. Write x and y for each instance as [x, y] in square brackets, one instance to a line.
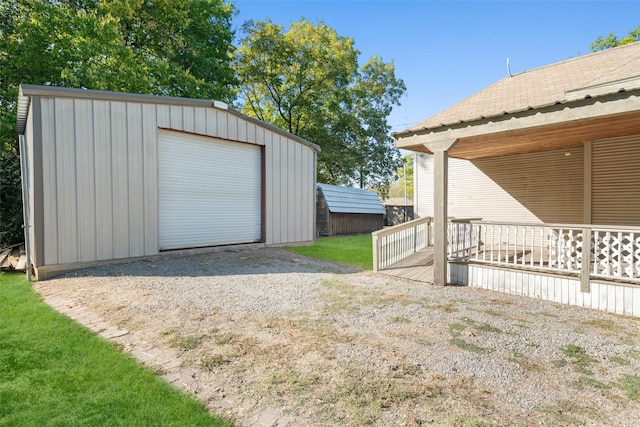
[559, 126]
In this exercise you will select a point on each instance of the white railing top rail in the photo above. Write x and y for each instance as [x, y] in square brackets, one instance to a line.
[404, 226]
[629, 228]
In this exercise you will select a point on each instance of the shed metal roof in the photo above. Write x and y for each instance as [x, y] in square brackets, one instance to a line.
[351, 200]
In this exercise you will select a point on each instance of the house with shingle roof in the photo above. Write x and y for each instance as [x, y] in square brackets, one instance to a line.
[549, 159]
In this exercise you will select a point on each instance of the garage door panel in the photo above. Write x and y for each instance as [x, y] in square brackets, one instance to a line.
[210, 191]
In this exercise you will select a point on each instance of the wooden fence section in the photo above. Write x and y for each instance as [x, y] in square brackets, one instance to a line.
[394, 244]
[609, 253]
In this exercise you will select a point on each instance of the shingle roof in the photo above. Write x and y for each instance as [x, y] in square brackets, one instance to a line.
[596, 74]
[351, 200]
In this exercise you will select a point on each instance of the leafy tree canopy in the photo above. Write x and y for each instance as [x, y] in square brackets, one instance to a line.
[159, 47]
[404, 179]
[307, 80]
[611, 40]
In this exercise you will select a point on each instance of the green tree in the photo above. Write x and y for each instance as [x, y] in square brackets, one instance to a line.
[611, 40]
[10, 199]
[404, 179]
[159, 47]
[307, 80]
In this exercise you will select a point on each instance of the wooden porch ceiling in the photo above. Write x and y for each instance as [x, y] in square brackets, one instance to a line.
[555, 127]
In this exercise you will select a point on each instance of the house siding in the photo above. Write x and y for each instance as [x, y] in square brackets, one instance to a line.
[615, 181]
[539, 187]
[99, 170]
[619, 298]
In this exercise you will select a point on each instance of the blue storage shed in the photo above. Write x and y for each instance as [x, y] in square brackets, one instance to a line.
[347, 210]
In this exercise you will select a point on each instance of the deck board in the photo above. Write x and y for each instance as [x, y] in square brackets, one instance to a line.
[418, 267]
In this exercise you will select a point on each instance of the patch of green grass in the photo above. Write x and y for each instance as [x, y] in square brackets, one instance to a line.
[470, 346]
[364, 395]
[483, 327]
[559, 363]
[408, 369]
[208, 363]
[223, 339]
[582, 370]
[583, 382]
[566, 412]
[53, 371]
[189, 342]
[619, 360]
[495, 313]
[400, 319]
[581, 360]
[447, 307]
[287, 380]
[630, 384]
[356, 251]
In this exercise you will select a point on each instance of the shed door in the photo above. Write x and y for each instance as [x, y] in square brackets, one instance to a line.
[209, 191]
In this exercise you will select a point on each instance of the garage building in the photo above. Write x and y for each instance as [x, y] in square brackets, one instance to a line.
[112, 176]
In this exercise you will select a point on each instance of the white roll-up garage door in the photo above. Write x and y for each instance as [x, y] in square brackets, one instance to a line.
[209, 191]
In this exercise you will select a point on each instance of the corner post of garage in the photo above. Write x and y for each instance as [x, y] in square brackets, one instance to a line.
[440, 202]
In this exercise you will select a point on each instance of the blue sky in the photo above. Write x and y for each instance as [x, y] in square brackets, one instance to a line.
[446, 51]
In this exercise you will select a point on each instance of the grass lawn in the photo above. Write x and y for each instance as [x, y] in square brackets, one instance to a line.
[55, 372]
[351, 250]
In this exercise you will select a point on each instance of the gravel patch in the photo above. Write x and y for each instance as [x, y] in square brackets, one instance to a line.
[329, 345]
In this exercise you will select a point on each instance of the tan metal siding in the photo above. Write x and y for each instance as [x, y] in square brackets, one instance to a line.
[86, 179]
[120, 178]
[150, 167]
[269, 192]
[539, 187]
[104, 183]
[290, 191]
[31, 178]
[100, 176]
[615, 181]
[66, 182]
[135, 173]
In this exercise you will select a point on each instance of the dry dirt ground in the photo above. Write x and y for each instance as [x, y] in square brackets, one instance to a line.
[328, 345]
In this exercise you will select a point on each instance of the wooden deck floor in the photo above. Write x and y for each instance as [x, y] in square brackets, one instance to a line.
[418, 267]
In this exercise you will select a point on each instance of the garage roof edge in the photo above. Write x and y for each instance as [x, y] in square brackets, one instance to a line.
[28, 91]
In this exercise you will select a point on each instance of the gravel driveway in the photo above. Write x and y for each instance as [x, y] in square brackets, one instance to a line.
[328, 345]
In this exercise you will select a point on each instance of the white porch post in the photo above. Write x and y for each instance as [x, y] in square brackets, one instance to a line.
[440, 202]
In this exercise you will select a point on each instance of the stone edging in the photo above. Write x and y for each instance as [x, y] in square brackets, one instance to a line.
[169, 366]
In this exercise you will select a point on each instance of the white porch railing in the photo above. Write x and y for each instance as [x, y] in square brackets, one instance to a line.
[609, 252]
[393, 244]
